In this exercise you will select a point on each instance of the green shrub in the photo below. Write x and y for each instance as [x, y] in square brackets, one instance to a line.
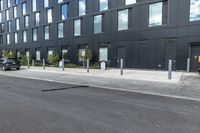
[95, 66]
[8, 54]
[53, 59]
[72, 66]
[38, 63]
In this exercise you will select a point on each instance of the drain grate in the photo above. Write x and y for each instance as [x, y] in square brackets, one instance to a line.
[72, 87]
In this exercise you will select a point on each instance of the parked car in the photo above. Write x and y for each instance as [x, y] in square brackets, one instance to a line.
[8, 63]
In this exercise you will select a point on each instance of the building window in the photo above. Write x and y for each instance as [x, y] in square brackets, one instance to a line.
[27, 53]
[64, 11]
[17, 24]
[98, 24]
[1, 5]
[35, 34]
[46, 3]
[37, 19]
[82, 7]
[1, 18]
[24, 8]
[103, 54]
[34, 5]
[16, 2]
[46, 32]
[103, 5]
[81, 54]
[61, 30]
[7, 15]
[155, 14]
[123, 20]
[77, 27]
[49, 16]
[60, 1]
[16, 37]
[2, 29]
[37, 54]
[8, 38]
[26, 22]
[24, 33]
[194, 10]
[64, 53]
[129, 2]
[8, 3]
[15, 12]
[50, 51]
[9, 26]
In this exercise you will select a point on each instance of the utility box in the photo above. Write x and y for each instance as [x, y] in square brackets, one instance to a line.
[103, 65]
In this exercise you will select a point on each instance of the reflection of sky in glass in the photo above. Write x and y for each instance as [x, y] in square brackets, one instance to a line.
[15, 12]
[155, 14]
[0, 17]
[103, 5]
[34, 5]
[82, 7]
[34, 34]
[103, 54]
[16, 38]
[24, 36]
[24, 8]
[60, 30]
[16, 1]
[49, 15]
[64, 12]
[46, 3]
[128, 2]
[46, 32]
[194, 10]
[59, 1]
[26, 21]
[97, 24]
[8, 38]
[77, 27]
[37, 19]
[123, 20]
[17, 24]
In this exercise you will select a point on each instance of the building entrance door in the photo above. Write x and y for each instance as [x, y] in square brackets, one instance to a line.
[121, 54]
[195, 52]
[170, 52]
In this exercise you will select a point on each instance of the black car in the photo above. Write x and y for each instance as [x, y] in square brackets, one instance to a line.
[8, 63]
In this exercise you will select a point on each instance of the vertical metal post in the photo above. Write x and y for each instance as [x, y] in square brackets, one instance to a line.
[170, 70]
[188, 65]
[121, 67]
[28, 62]
[88, 65]
[63, 65]
[33, 63]
[43, 64]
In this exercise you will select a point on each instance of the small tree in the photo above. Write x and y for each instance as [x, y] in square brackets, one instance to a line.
[8, 54]
[88, 55]
[53, 59]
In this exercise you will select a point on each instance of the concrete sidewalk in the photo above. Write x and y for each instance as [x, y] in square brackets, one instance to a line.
[132, 74]
[183, 85]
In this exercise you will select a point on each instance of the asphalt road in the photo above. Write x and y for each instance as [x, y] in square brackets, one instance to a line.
[34, 106]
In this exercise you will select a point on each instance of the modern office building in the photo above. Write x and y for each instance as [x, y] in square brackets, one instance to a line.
[145, 33]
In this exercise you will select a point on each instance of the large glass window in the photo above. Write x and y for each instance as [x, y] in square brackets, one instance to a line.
[37, 54]
[49, 16]
[35, 34]
[123, 20]
[34, 5]
[1, 18]
[81, 54]
[37, 19]
[24, 8]
[82, 7]
[26, 21]
[103, 5]
[103, 54]
[8, 3]
[98, 24]
[60, 1]
[9, 26]
[194, 10]
[7, 15]
[46, 32]
[16, 37]
[24, 36]
[50, 51]
[17, 24]
[77, 27]
[46, 3]
[128, 2]
[155, 14]
[15, 11]
[64, 11]
[61, 30]
[1, 4]
[2, 28]
[8, 38]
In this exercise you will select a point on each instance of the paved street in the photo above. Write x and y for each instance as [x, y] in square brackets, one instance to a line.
[34, 106]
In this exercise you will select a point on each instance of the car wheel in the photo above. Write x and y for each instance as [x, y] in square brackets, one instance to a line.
[4, 68]
[17, 68]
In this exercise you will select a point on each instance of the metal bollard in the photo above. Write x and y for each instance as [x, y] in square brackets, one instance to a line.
[188, 65]
[28, 62]
[43, 64]
[63, 65]
[121, 67]
[88, 65]
[33, 63]
[170, 70]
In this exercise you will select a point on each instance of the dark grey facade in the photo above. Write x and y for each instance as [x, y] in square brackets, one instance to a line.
[141, 46]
